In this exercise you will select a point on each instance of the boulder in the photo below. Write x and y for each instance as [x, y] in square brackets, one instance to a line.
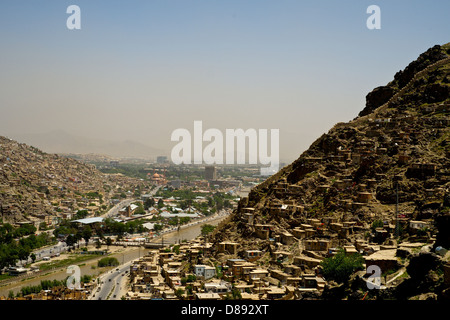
[376, 98]
[421, 264]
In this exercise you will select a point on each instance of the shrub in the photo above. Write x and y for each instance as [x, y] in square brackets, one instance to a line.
[108, 262]
[341, 266]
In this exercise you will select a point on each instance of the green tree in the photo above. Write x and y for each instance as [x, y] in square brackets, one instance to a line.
[42, 226]
[108, 242]
[140, 209]
[86, 234]
[107, 262]
[191, 278]
[81, 214]
[70, 240]
[227, 203]
[179, 293]
[377, 224]
[207, 229]
[150, 202]
[341, 266]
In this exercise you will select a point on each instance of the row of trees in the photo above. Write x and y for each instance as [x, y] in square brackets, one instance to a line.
[216, 202]
[109, 226]
[108, 262]
[47, 285]
[8, 232]
[12, 250]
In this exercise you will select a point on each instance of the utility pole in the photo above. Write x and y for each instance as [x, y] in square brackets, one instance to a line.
[397, 231]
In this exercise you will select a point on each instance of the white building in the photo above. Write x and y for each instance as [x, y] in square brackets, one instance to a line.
[206, 272]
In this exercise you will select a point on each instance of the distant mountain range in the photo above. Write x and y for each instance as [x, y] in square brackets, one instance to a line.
[61, 142]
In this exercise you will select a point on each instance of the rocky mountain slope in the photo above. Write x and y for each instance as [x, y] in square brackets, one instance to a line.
[34, 184]
[381, 95]
[397, 148]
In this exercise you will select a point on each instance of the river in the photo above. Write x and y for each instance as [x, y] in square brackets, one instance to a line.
[189, 232]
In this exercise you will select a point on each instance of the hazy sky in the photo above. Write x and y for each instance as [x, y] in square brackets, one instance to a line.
[140, 69]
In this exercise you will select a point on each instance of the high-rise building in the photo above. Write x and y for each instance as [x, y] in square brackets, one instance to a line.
[161, 159]
[210, 173]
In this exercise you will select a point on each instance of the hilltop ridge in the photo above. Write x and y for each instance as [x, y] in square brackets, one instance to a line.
[351, 177]
[35, 185]
[382, 94]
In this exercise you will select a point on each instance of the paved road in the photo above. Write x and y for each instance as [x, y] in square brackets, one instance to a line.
[114, 211]
[48, 251]
[112, 283]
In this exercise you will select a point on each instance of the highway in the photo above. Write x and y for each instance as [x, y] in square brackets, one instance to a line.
[48, 251]
[112, 283]
[114, 211]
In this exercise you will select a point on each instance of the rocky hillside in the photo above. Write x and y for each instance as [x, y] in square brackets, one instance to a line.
[397, 148]
[35, 185]
[436, 92]
[404, 141]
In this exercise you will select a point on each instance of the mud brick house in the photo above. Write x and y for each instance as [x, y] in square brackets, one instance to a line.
[248, 215]
[293, 269]
[242, 270]
[415, 226]
[309, 262]
[350, 250]
[371, 183]
[264, 231]
[385, 259]
[253, 255]
[446, 268]
[281, 256]
[339, 184]
[258, 274]
[287, 238]
[317, 245]
[421, 170]
[275, 293]
[279, 275]
[298, 233]
[226, 246]
[312, 281]
[364, 197]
